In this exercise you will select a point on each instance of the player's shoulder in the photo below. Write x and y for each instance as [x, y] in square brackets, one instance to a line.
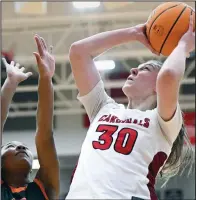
[36, 188]
[36, 183]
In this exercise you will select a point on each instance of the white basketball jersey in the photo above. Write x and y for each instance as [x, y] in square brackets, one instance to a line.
[123, 151]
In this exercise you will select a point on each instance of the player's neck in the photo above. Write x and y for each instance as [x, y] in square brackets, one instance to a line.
[16, 179]
[142, 104]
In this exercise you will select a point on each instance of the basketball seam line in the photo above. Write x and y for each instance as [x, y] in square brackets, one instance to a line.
[159, 16]
[172, 28]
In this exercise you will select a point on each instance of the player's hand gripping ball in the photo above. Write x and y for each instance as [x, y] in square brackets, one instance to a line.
[167, 24]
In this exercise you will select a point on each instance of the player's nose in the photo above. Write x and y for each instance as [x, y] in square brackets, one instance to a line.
[21, 147]
[134, 71]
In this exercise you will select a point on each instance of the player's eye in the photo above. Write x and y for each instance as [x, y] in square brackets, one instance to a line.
[146, 68]
[9, 146]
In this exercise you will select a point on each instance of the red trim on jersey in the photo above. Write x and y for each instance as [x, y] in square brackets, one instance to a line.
[73, 173]
[153, 170]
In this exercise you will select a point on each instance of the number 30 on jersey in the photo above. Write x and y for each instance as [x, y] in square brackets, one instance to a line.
[124, 142]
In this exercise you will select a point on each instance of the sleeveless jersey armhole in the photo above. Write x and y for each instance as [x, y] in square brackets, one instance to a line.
[40, 185]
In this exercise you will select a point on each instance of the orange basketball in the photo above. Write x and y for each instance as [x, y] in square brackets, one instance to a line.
[167, 24]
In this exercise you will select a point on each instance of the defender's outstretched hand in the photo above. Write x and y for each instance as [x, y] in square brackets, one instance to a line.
[15, 73]
[48, 173]
[44, 58]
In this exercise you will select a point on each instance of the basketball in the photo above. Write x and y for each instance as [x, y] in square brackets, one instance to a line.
[167, 24]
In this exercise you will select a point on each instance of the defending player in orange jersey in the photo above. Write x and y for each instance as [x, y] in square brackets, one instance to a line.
[16, 158]
[121, 157]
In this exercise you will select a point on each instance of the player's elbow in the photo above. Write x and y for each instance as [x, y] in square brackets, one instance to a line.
[76, 50]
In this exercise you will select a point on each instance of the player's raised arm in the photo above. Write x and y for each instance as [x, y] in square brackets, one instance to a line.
[15, 75]
[82, 53]
[171, 74]
[47, 156]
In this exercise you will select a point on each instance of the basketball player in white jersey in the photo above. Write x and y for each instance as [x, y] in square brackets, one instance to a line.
[125, 148]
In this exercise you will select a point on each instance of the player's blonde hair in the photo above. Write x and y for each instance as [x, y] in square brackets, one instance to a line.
[178, 159]
[181, 157]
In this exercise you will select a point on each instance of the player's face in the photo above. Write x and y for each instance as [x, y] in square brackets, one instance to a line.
[15, 156]
[141, 83]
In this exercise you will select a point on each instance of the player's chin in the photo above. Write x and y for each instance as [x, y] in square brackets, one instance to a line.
[127, 90]
[24, 161]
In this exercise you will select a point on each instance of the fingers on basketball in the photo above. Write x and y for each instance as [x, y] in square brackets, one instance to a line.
[191, 22]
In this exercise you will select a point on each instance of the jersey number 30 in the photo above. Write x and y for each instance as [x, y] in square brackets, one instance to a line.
[124, 142]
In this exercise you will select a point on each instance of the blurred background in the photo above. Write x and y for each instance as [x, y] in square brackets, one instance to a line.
[62, 23]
